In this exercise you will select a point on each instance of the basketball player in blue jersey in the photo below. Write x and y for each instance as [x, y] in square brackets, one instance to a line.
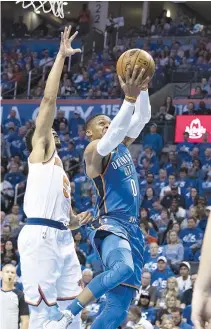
[117, 239]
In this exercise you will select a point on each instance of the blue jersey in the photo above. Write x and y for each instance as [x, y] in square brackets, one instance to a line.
[117, 208]
[117, 189]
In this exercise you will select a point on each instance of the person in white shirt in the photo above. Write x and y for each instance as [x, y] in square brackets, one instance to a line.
[184, 280]
[167, 189]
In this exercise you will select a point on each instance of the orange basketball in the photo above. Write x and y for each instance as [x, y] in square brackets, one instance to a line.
[134, 57]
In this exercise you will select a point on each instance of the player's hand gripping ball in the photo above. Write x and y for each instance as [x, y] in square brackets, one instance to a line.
[133, 57]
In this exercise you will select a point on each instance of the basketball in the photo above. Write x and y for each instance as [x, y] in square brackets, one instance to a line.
[134, 57]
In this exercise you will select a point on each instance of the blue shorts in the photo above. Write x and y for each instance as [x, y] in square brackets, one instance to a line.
[131, 232]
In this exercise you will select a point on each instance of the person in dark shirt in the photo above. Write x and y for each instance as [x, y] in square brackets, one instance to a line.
[148, 312]
[59, 118]
[20, 29]
[167, 200]
[187, 296]
[178, 320]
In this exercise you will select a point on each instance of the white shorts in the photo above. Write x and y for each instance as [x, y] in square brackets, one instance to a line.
[49, 265]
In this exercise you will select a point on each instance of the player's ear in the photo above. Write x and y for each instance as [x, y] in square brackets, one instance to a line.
[88, 133]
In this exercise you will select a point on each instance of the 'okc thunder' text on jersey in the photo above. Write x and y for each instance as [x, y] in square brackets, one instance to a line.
[117, 188]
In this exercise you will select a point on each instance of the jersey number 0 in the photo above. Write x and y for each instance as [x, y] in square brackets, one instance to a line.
[133, 186]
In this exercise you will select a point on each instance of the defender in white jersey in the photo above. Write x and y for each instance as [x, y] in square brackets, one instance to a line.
[50, 268]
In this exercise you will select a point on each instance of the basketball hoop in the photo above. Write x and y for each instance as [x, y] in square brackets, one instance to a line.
[56, 7]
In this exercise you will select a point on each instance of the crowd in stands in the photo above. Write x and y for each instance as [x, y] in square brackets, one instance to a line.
[175, 186]
[97, 79]
[175, 204]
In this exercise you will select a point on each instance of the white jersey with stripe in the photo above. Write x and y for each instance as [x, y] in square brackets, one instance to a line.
[48, 191]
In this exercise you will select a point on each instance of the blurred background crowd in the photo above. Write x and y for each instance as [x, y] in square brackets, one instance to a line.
[174, 180]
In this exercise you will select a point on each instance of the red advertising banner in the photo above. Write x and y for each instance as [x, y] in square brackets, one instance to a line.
[195, 125]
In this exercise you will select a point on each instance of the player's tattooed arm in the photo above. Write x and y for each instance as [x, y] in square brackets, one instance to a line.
[47, 111]
[77, 221]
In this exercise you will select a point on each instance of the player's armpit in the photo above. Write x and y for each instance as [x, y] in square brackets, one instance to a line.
[93, 160]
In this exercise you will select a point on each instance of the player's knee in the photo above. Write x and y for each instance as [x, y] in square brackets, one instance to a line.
[125, 270]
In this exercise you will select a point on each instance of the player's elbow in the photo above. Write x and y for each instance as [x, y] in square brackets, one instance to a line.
[48, 99]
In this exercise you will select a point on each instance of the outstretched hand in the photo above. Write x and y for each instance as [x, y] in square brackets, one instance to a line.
[66, 49]
[134, 82]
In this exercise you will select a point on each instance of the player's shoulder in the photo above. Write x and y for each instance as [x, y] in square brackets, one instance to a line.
[19, 293]
[91, 147]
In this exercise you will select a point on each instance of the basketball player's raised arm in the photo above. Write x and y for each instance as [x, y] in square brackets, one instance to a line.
[141, 116]
[46, 114]
[117, 130]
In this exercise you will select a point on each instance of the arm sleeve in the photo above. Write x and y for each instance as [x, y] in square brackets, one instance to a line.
[23, 306]
[141, 115]
[117, 130]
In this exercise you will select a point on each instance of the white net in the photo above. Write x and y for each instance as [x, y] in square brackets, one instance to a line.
[56, 7]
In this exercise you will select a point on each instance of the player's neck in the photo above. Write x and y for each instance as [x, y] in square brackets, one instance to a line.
[8, 286]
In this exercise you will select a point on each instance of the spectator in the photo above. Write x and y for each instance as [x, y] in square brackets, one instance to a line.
[166, 202]
[161, 274]
[205, 86]
[173, 251]
[75, 123]
[69, 153]
[46, 61]
[18, 75]
[146, 287]
[12, 118]
[14, 176]
[191, 238]
[84, 20]
[153, 139]
[150, 261]
[170, 109]
[59, 118]
[166, 308]
[177, 318]
[167, 190]
[189, 109]
[148, 312]
[14, 309]
[204, 144]
[184, 149]
[81, 141]
[187, 296]
[9, 255]
[6, 84]
[68, 89]
[134, 316]
[172, 165]
[20, 29]
[149, 198]
[184, 280]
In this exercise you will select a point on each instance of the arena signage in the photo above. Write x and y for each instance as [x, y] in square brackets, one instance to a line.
[28, 109]
[195, 125]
